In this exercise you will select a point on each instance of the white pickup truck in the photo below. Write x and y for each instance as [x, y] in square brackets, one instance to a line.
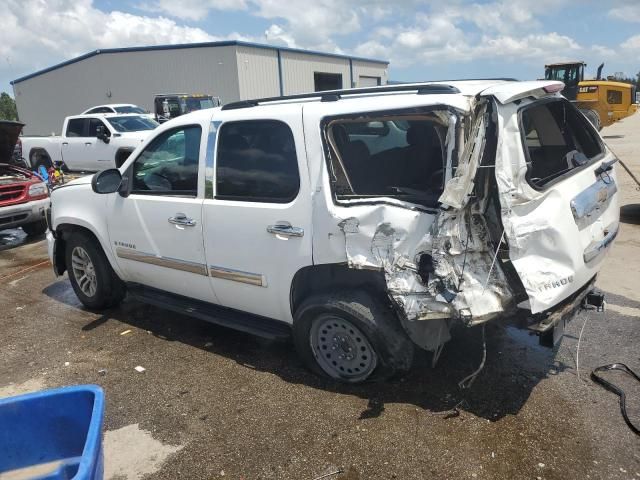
[89, 142]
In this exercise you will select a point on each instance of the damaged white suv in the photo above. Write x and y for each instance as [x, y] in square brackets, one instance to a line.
[361, 222]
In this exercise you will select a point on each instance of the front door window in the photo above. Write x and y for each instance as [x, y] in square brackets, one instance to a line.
[169, 164]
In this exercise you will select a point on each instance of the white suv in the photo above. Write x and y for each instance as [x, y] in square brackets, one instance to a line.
[361, 222]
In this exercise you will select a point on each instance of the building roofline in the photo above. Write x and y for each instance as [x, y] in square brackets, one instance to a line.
[226, 43]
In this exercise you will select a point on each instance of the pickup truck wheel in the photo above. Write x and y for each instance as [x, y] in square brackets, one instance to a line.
[35, 228]
[93, 280]
[351, 337]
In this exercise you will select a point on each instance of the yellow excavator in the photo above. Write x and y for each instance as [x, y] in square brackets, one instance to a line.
[603, 102]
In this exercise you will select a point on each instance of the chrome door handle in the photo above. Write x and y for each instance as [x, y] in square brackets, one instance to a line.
[182, 220]
[286, 230]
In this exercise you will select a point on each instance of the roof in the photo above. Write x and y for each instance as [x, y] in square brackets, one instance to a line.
[106, 115]
[606, 83]
[559, 64]
[504, 90]
[179, 46]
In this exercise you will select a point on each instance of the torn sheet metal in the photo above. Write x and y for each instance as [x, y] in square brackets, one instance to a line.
[437, 267]
[457, 190]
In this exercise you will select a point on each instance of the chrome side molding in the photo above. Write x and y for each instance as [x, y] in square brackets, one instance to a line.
[182, 265]
[237, 276]
[256, 279]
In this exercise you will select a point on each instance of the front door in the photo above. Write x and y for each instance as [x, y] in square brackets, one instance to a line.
[558, 198]
[156, 232]
[257, 213]
[100, 154]
[75, 143]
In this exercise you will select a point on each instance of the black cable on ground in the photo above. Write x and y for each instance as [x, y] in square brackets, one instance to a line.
[628, 170]
[618, 391]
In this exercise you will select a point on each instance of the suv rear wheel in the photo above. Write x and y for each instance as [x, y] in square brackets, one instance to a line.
[92, 278]
[351, 337]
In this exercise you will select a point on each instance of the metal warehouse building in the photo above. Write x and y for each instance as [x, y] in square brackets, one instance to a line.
[231, 70]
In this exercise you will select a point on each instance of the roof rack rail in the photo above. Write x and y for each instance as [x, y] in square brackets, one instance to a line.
[335, 95]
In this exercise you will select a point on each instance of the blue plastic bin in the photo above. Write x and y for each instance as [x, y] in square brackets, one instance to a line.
[53, 435]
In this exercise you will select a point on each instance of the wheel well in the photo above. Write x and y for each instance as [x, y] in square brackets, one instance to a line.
[63, 232]
[122, 155]
[322, 278]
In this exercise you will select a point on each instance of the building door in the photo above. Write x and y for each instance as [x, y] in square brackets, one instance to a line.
[365, 81]
[327, 81]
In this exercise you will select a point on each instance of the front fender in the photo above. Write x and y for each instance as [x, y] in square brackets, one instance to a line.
[78, 207]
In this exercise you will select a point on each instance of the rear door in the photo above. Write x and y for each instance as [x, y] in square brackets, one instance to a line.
[558, 195]
[257, 209]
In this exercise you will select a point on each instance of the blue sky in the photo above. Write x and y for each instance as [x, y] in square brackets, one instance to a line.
[423, 39]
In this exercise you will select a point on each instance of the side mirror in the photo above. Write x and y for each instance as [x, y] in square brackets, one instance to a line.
[107, 181]
[101, 134]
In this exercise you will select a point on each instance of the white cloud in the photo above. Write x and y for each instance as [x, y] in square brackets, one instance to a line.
[628, 11]
[192, 9]
[39, 33]
[632, 43]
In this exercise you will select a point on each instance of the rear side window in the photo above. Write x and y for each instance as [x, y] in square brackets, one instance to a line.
[404, 160]
[257, 162]
[557, 139]
[75, 127]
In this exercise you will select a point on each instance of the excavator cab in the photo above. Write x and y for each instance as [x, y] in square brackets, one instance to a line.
[570, 73]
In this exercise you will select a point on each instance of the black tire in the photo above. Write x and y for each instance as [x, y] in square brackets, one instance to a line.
[35, 228]
[593, 117]
[109, 289]
[375, 319]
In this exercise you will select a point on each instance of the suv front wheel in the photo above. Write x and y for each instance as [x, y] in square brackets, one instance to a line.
[93, 280]
[351, 337]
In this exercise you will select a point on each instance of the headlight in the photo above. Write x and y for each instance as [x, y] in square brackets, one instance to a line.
[38, 189]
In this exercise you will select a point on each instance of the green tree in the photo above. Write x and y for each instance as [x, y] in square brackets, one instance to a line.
[8, 110]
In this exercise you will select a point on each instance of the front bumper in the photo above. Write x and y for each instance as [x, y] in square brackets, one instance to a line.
[15, 216]
[52, 252]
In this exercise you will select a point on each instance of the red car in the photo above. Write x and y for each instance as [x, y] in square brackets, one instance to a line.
[24, 197]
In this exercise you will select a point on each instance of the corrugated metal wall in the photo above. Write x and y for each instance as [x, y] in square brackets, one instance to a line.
[124, 77]
[237, 72]
[368, 69]
[258, 73]
[298, 70]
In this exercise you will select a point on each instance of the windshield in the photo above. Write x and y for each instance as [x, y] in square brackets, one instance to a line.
[198, 103]
[567, 74]
[132, 123]
[129, 109]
